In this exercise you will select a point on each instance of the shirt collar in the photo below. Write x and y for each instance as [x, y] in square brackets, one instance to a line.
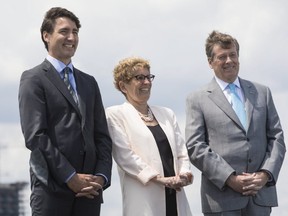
[58, 65]
[223, 85]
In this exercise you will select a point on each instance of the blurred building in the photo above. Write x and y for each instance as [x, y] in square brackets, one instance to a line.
[12, 199]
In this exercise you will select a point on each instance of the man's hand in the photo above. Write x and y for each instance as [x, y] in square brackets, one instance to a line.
[257, 183]
[248, 184]
[85, 185]
[78, 181]
[95, 184]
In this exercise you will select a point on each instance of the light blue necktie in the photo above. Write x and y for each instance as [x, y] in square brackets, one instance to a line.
[237, 105]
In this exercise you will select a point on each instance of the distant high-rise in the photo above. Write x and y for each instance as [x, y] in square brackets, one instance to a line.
[11, 199]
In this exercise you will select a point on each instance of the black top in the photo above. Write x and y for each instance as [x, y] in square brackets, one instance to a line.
[164, 150]
[168, 167]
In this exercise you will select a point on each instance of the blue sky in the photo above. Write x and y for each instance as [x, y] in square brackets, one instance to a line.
[169, 33]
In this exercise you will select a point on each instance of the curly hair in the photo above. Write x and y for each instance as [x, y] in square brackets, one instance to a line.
[49, 21]
[218, 38]
[126, 68]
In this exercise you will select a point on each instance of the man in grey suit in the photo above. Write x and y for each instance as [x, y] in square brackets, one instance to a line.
[239, 156]
[64, 126]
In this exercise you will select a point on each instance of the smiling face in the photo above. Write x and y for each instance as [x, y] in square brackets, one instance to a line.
[136, 91]
[225, 63]
[63, 41]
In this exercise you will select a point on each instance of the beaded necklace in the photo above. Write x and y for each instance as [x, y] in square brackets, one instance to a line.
[147, 118]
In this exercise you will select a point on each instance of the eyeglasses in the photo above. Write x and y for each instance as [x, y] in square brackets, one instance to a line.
[142, 77]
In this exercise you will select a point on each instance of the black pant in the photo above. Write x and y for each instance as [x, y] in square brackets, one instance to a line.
[171, 202]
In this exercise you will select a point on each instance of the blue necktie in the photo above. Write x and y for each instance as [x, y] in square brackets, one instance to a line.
[66, 71]
[237, 105]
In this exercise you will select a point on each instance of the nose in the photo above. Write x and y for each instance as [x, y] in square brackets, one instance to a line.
[72, 36]
[147, 80]
[228, 59]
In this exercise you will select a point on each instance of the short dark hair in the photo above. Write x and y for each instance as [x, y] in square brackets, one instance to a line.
[218, 38]
[51, 15]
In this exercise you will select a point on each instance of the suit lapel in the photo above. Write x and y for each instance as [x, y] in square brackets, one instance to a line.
[82, 95]
[218, 97]
[250, 98]
[56, 80]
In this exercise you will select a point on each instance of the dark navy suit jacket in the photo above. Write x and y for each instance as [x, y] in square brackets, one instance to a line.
[63, 137]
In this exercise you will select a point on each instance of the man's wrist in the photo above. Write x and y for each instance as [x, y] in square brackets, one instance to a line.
[70, 177]
[268, 175]
[103, 180]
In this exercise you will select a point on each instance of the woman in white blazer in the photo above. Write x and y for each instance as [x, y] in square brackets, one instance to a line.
[148, 148]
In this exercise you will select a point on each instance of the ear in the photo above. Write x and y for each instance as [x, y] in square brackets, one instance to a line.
[210, 62]
[46, 36]
[122, 87]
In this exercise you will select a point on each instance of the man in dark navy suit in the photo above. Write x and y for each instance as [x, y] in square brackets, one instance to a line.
[64, 126]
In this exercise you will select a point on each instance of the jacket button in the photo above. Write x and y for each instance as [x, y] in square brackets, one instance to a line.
[250, 160]
[248, 139]
[81, 152]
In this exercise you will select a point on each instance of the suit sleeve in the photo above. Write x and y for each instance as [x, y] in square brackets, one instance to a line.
[102, 139]
[126, 158]
[34, 123]
[211, 164]
[275, 141]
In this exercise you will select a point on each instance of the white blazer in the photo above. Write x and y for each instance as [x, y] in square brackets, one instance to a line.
[136, 154]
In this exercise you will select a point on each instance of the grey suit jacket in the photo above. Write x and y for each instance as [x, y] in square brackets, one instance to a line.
[63, 138]
[218, 145]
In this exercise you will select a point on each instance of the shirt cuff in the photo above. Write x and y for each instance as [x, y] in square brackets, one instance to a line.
[70, 177]
[105, 178]
[270, 179]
